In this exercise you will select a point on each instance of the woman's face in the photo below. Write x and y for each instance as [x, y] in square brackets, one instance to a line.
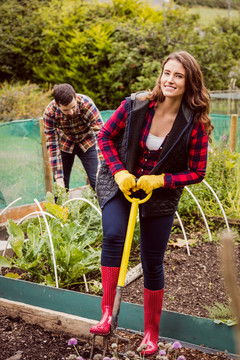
[173, 80]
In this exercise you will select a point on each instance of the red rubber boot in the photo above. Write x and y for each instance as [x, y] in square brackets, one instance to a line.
[109, 284]
[152, 312]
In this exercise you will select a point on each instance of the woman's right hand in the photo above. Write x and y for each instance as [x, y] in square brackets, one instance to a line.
[125, 181]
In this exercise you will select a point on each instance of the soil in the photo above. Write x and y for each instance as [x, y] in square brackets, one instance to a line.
[21, 341]
[192, 283]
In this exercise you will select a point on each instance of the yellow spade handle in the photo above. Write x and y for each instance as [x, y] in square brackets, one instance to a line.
[129, 236]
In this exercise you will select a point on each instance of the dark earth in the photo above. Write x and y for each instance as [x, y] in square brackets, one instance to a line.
[191, 283]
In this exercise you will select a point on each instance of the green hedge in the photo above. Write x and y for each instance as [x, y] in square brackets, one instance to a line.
[109, 49]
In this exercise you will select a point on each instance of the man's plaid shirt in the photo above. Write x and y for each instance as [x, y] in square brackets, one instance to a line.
[63, 133]
[148, 159]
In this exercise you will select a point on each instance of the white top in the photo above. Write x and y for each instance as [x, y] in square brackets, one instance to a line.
[154, 142]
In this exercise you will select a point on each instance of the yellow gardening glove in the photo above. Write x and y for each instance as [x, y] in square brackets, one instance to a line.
[150, 182]
[125, 181]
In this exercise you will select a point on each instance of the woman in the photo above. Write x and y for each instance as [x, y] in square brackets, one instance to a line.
[157, 142]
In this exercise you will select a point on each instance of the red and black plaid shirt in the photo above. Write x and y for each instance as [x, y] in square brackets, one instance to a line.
[63, 133]
[148, 159]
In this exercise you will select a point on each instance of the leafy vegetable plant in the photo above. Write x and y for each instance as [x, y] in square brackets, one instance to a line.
[76, 234]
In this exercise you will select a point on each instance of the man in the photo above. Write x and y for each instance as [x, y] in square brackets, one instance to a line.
[71, 125]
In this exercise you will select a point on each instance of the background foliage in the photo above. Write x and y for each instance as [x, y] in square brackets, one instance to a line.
[109, 49]
[22, 101]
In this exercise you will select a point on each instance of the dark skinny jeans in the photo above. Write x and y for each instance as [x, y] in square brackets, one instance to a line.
[155, 232]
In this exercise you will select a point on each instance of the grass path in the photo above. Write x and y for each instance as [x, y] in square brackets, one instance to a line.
[209, 15]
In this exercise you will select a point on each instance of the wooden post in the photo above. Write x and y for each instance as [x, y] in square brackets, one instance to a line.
[46, 163]
[233, 132]
[230, 277]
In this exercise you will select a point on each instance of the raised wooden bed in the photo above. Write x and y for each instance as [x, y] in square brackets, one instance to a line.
[18, 212]
[74, 313]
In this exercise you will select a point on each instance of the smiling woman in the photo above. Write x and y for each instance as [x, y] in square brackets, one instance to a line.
[175, 117]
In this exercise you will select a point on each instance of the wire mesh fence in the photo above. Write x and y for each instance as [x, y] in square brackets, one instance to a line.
[225, 102]
[21, 163]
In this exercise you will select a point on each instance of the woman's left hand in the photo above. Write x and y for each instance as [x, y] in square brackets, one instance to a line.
[150, 182]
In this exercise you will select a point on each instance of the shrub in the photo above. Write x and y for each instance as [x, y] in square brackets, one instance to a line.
[22, 101]
[20, 34]
[109, 49]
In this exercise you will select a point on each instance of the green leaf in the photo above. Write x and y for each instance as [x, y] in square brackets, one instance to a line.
[16, 237]
[63, 255]
[4, 262]
[25, 264]
[12, 275]
[71, 232]
[50, 281]
[228, 322]
[33, 239]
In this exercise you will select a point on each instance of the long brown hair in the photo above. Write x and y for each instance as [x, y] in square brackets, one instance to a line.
[196, 96]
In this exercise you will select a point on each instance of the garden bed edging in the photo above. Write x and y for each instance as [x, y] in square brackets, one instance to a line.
[87, 309]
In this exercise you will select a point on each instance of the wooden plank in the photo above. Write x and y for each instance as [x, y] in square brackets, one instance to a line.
[220, 219]
[54, 321]
[18, 212]
[133, 274]
[233, 132]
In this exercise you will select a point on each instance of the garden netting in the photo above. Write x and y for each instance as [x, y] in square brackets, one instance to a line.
[21, 164]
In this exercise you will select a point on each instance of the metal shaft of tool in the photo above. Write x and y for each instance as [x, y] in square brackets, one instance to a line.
[124, 262]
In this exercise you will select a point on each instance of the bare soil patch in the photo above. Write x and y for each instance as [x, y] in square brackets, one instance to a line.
[191, 282]
[22, 341]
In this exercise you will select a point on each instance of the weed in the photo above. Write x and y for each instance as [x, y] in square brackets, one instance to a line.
[221, 313]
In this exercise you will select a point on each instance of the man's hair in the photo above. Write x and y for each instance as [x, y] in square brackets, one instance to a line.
[64, 94]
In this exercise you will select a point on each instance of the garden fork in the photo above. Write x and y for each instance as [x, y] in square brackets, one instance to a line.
[122, 274]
